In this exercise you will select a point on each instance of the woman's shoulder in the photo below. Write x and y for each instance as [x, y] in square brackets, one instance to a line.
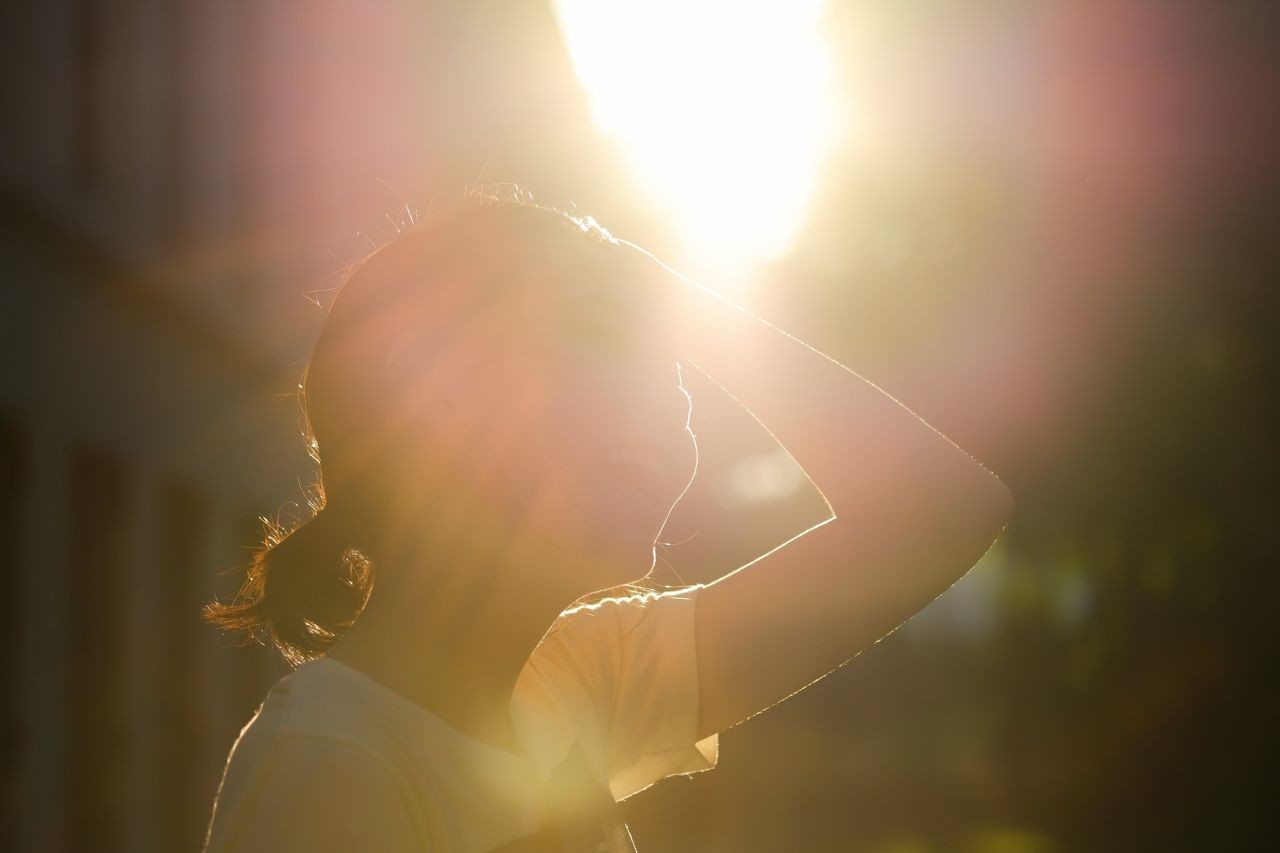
[309, 759]
[315, 714]
[596, 633]
[625, 610]
[619, 677]
[323, 711]
[308, 791]
[296, 760]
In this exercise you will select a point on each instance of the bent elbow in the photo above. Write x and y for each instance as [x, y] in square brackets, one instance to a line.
[993, 507]
[971, 534]
[1001, 502]
[968, 528]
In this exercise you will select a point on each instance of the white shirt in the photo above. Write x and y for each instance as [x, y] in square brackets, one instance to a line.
[335, 761]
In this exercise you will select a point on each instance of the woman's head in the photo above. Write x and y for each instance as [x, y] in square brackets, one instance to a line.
[497, 384]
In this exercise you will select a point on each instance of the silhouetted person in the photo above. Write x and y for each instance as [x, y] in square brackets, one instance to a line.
[495, 402]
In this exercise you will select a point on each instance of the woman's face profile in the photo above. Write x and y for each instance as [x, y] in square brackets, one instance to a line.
[559, 405]
[627, 439]
[613, 449]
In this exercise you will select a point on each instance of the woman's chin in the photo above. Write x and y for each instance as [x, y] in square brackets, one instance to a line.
[624, 563]
[631, 523]
[618, 563]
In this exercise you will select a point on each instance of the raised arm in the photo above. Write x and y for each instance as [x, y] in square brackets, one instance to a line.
[911, 513]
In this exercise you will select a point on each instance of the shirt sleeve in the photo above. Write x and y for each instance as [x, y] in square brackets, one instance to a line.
[620, 678]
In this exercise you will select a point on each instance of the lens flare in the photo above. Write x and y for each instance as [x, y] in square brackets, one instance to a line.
[722, 109]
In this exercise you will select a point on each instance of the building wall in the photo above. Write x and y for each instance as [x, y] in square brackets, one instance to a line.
[139, 437]
[144, 454]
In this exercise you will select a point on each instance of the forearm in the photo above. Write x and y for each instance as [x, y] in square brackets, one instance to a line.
[868, 454]
[912, 513]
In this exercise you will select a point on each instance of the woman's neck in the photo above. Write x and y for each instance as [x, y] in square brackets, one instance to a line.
[452, 644]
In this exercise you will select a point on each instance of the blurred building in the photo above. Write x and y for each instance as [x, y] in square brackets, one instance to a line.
[139, 429]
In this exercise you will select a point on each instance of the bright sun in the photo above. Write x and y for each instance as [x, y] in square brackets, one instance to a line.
[724, 110]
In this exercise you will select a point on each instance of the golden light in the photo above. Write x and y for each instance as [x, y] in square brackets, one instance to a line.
[723, 109]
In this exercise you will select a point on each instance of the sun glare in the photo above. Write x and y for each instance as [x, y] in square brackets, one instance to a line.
[723, 110]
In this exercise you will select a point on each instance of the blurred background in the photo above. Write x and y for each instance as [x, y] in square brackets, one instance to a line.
[1047, 228]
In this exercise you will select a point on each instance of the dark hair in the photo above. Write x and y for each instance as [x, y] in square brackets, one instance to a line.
[311, 578]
